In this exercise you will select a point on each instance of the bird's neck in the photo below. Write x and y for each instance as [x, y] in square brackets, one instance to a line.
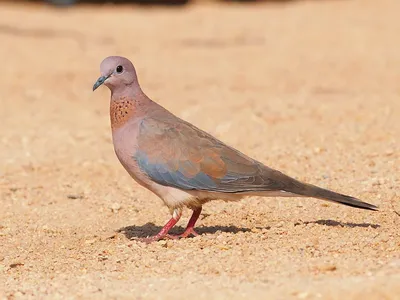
[123, 107]
[121, 110]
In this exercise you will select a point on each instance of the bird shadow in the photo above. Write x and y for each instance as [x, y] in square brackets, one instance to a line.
[333, 223]
[150, 229]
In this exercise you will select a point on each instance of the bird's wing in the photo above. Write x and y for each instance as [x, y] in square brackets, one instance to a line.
[175, 153]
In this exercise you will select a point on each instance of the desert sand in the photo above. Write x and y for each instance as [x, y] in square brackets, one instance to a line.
[311, 88]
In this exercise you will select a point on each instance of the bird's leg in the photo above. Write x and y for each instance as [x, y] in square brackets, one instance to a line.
[190, 226]
[176, 215]
[192, 221]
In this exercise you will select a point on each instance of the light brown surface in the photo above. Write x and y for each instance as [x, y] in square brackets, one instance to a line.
[311, 88]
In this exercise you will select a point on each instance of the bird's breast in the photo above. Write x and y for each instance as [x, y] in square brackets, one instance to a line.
[125, 147]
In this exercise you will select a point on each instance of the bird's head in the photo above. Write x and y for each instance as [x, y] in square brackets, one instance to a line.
[116, 73]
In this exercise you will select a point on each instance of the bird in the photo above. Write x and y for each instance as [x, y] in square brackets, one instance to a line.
[183, 165]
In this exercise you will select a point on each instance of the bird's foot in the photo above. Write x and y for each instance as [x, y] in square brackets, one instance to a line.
[163, 234]
[190, 226]
[164, 231]
[189, 231]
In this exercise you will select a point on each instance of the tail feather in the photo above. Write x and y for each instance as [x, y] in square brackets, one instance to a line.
[309, 190]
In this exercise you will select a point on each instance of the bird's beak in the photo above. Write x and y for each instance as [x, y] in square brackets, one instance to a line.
[100, 81]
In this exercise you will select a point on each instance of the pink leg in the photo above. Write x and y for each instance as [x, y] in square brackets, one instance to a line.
[164, 231]
[190, 226]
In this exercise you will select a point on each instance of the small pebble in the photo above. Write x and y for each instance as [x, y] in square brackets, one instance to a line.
[91, 241]
[115, 207]
[16, 264]
[326, 268]
[73, 196]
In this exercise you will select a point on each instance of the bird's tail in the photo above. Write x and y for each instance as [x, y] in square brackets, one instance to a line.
[309, 190]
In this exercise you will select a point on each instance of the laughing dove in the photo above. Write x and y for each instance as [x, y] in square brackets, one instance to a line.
[180, 163]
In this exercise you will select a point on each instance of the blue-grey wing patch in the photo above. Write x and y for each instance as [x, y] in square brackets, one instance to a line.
[164, 175]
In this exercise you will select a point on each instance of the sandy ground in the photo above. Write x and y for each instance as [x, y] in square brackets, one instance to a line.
[310, 88]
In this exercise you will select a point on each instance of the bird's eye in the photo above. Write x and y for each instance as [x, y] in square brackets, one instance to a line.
[119, 69]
